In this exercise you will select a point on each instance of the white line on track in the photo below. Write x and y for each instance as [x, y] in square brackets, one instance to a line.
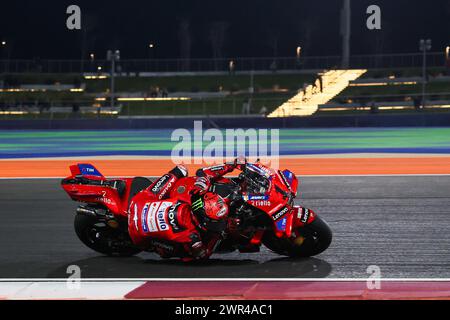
[62, 290]
[117, 289]
[222, 279]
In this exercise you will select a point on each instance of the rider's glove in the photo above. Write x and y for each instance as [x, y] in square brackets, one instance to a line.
[198, 250]
[201, 185]
[237, 163]
[231, 163]
[241, 162]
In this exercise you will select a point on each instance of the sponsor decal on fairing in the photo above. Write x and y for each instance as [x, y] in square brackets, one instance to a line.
[158, 216]
[150, 221]
[303, 215]
[280, 213]
[255, 197]
[89, 170]
[105, 199]
[281, 224]
[259, 203]
[172, 217]
[166, 188]
[144, 217]
[159, 184]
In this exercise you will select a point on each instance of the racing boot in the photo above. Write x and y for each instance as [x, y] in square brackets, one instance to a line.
[197, 248]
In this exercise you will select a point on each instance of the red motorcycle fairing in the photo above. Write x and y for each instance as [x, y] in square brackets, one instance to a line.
[87, 184]
[302, 216]
[277, 201]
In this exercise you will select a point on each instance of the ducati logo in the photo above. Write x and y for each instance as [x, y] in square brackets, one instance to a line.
[158, 184]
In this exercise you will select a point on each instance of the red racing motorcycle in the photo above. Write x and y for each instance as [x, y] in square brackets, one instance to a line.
[261, 202]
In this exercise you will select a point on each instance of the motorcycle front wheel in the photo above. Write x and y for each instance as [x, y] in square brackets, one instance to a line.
[100, 237]
[306, 241]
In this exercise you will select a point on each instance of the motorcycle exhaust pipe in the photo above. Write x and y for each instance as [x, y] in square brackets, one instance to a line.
[98, 214]
[87, 211]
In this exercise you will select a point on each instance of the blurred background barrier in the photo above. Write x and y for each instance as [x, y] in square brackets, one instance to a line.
[375, 61]
[164, 122]
[264, 87]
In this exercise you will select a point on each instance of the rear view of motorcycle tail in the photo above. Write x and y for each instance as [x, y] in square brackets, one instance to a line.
[101, 220]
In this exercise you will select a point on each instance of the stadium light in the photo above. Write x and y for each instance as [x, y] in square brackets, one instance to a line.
[425, 45]
[447, 52]
[92, 56]
[231, 66]
[3, 43]
[298, 52]
[151, 48]
[112, 56]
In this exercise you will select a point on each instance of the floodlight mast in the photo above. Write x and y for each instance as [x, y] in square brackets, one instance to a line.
[425, 46]
[346, 33]
[113, 57]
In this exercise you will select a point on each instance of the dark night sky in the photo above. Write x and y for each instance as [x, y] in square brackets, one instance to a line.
[37, 28]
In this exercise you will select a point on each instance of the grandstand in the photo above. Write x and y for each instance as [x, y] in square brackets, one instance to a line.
[290, 90]
[392, 91]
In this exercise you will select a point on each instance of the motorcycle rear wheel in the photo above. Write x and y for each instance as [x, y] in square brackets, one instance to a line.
[308, 241]
[100, 237]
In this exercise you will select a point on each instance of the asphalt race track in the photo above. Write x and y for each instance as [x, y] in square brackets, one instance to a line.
[399, 223]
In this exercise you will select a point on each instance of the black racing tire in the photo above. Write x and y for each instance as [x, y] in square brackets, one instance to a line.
[316, 238]
[99, 237]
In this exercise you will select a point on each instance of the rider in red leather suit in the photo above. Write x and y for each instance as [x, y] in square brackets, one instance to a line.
[168, 218]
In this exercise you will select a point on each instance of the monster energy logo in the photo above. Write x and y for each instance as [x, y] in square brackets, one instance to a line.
[197, 204]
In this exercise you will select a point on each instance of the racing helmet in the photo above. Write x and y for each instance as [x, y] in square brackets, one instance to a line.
[211, 211]
[215, 206]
